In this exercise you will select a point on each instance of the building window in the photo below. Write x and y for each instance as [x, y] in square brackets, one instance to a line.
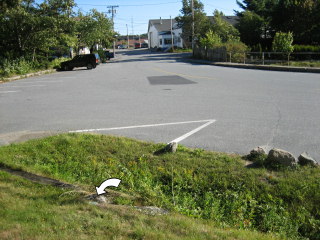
[167, 41]
[160, 41]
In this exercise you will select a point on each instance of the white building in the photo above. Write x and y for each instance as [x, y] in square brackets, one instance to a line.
[159, 34]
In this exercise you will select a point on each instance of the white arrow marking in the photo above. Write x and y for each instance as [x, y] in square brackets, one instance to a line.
[179, 139]
[112, 182]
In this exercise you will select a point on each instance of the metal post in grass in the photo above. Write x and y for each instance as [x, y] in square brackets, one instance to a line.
[262, 58]
[244, 58]
[230, 56]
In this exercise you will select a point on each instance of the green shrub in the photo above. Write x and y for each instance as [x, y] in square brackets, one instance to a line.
[18, 66]
[22, 66]
[282, 42]
[210, 40]
[55, 64]
[306, 48]
[237, 50]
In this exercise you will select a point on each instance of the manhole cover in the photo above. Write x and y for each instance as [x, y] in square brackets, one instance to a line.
[169, 80]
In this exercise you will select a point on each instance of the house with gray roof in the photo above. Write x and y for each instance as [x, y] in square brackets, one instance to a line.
[159, 33]
[233, 20]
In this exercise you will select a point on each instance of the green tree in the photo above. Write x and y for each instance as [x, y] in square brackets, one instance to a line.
[251, 27]
[17, 24]
[222, 28]
[30, 30]
[263, 8]
[261, 12]
[94, 28]
[201, 22]
[282, 42]
[300, 17]
[223, 35]
[210, 40]
[8, 4]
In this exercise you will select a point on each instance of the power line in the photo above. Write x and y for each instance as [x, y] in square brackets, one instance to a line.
[135, 5]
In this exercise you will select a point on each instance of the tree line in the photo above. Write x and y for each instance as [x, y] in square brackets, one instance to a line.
[259, 21]
[36, 31]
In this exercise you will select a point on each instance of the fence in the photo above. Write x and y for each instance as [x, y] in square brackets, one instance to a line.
[263, 58]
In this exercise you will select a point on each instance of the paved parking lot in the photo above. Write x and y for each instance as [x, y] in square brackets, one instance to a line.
[159, 97]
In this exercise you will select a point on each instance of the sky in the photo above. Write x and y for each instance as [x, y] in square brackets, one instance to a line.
[136, 14]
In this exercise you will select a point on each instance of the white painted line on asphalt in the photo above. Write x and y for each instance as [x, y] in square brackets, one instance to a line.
[142, 126]
[179, 139]
[10, 91]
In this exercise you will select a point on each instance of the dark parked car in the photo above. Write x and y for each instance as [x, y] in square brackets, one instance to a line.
[122, 46]
[137, 45]
[108, 55]
[144, 45]
[88, 60]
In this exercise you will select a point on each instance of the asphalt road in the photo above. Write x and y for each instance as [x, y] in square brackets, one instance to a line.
[250, 107]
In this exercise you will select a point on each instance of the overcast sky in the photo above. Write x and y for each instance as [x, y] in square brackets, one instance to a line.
[136, 14]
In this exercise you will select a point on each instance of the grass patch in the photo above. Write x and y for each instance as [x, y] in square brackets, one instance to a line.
[213, 186]
[33, 211]
[180, 50]
[315, 64]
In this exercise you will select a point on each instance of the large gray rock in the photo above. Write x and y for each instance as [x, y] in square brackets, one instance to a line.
[258, 151]
[306, 159]
[97, 199]
[281, 157]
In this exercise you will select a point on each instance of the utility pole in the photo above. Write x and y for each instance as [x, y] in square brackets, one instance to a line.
[192, 9]
[113, 11]
[139, 40]
[132, 29]
[127, 36]
[171, 35]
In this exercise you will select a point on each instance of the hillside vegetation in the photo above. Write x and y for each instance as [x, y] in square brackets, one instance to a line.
[215, 187]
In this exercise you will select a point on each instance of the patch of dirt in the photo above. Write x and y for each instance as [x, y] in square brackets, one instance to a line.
[11, 234]
[36, 178]
[22, 136]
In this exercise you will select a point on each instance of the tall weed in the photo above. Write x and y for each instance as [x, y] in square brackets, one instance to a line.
[18, 66]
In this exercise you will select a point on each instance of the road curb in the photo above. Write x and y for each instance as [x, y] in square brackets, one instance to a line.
[258, 67]
[27, 75]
